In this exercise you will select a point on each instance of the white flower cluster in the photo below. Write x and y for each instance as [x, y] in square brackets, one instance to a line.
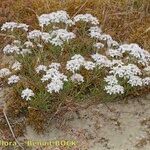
[56, 37]
[111, 80]
[86, 18]
[136, 51]
[12, 25]
[27, 94]
[13, 79]
[55, 76]
[4, 72]
[41, 68]
[55, 17]
[115, 89]
[14, 49]
[95, 32]
[75, 63]
[146, 81]
[101, 60]
[120, 61]
[114, 53]
[89, 65]
[125, 71]
[77, 78]
[9, 49]
[55, 65]
[60, 36]
[135, 81]
[37, 34]
[16, 66]
[112, 86]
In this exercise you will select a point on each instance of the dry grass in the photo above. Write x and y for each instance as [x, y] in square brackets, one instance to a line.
[125, 20]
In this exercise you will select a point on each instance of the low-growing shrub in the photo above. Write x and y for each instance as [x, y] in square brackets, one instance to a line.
[69, 59]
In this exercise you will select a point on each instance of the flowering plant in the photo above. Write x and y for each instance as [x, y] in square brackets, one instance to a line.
[70, 58]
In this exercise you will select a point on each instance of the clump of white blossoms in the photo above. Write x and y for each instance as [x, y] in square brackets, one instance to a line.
[86, 18]
[135, 81]
[4, 72]
[146, 81]
[125, 71]
[112, 86]
[9, 49]
[16, 66]
[115, 89]
[13, 25]
[13, 79]
[54, 17]
[117, 62]
[101, 60]
[75, 63]
[60, 36]
[41, 68]
[27, 94]
[77, 78]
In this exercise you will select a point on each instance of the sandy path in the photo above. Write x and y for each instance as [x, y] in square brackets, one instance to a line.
[125, 127]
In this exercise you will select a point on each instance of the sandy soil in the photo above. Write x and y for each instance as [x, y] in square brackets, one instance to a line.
[117, 126]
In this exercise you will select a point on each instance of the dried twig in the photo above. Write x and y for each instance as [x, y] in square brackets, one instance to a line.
[11, 129]
[80, 8]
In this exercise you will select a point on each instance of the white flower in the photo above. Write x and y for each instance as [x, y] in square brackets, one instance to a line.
[60, 36]
[40, 68]
[125, 71]
[95, 32]
[135, 81]
[146, 81]
[25, 51]
[16, 66]
[34, 34]
[114, 89]
[27, 94]
[98, 45]
[135, 50]
[54, 17]
[79, 58]
[28, 44]
[12, 25]
[111, 80]
[77, 78]
[86, 18]
[70, 22]
[89, 65]
[114, 53]
[13, 79]
[9, 49]
[55, 85]
[46, 37]
[4, 72]
[37, 34]
[53, 74]
[55, 65]
[75, 63]
[101, 60]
